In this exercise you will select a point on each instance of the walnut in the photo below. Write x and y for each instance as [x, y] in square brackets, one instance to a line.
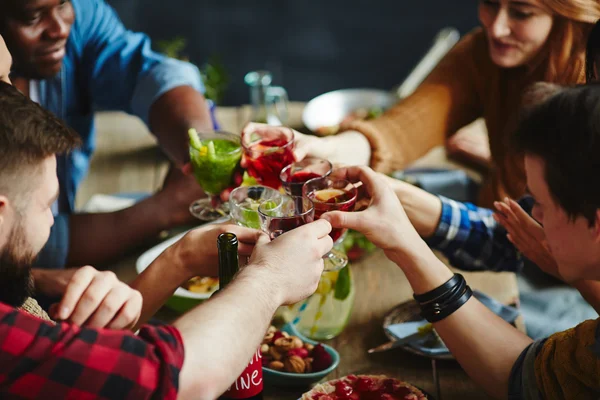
[271, 329]
[285, 334]
[294, 364]
[284, 344]
[275, 354]
[276, 365]
[268, 338]
[308, 364]
[309, 347]
[297, 342]
[264, 349]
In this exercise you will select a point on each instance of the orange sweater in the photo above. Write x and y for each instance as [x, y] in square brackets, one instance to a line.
[465, 85]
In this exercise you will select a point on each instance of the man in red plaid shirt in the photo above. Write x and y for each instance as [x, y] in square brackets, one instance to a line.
[77, 356]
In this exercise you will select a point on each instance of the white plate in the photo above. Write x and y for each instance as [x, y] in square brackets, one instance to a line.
[331, 108]
[152, 254]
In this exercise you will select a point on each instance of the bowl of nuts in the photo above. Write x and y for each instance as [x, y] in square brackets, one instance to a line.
[290, 359]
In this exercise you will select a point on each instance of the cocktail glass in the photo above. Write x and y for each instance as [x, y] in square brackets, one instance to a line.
[215, 157]
[331, 195]
[291, 213]
[266, 152]
[295, 175]
[245, 200]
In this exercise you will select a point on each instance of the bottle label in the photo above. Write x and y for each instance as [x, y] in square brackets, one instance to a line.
[250, 383]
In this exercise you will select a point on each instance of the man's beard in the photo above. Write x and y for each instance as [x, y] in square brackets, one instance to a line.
[16, 283]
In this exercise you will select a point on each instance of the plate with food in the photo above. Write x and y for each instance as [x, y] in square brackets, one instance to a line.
[405, 321]
[325, 113]
[359, 387]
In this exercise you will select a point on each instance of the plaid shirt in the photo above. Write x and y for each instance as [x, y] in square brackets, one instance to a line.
[473, 241]
[39, 360]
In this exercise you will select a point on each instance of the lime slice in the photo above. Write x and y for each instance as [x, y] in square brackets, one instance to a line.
[247, 180]
[269, 205]
[249, 213]
[342, 285]
[194, 139]
[212, 154]
[255, 137]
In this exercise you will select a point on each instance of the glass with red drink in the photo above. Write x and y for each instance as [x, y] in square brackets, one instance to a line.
[331, 195]
[292, 212]
[267, 152]
[295, 175]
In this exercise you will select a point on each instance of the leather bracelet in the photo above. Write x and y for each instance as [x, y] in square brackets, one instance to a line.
[440, 291]
[445, 301]
[436, 314]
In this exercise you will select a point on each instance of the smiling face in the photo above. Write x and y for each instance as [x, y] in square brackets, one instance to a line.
[574, 244]
[36, 32]
[516, 30]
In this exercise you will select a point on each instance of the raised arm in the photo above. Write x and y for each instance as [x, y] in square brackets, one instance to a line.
[165, 93]
[222, 335]
[486, 346]
[466, 234]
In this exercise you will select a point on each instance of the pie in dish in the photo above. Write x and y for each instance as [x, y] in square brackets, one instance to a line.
[364, 387]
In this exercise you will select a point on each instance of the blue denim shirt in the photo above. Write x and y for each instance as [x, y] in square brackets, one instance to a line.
[106, 67]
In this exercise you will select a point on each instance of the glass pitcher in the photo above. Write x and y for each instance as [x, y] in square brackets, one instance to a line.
[269, 103]
[325, 314]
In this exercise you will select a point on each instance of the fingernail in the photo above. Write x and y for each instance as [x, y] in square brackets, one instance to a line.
[63, 313]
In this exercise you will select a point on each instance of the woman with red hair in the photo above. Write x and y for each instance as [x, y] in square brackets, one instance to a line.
[483, 76]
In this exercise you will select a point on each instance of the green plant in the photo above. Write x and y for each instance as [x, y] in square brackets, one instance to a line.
[213, 72]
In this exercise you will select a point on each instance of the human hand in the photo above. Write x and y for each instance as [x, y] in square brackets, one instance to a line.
[332, 148]
[526, 234]
[197, 251]
[293, 262]
[470, 144]
[384, 222]
[173, 201]
[97, 299]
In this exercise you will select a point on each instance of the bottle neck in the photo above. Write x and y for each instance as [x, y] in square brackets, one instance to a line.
[227, 245]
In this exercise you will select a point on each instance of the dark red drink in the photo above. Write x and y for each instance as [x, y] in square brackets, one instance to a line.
[294, 176]
[303, 177]
[266, 153]
[331, 195]
[290, 214]
[326, 200]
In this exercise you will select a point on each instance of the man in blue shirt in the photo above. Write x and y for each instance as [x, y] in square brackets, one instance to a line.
[75, 57]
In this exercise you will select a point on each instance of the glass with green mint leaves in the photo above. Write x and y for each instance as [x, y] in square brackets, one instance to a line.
[245, 200]
[215, 157]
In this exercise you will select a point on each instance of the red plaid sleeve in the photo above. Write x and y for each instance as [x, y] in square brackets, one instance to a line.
[39, 360]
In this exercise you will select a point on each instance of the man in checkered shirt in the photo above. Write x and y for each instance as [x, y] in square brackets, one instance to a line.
[44, 359]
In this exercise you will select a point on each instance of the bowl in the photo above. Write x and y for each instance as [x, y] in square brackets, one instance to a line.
[288, 379]
[331, 108]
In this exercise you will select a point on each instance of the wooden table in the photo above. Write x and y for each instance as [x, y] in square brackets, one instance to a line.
[127, 159]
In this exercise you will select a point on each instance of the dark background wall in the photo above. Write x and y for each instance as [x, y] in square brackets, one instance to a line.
[311, 46]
